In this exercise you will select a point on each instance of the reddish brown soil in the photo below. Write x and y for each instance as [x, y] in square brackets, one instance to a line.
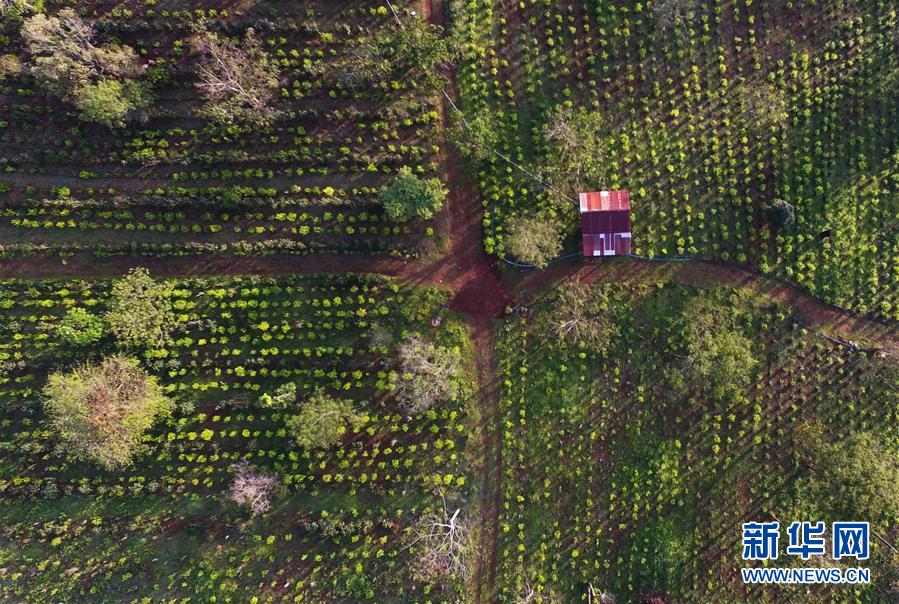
[478, 291]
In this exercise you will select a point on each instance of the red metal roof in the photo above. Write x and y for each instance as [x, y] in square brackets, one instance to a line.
[603, 201]
[606, 223]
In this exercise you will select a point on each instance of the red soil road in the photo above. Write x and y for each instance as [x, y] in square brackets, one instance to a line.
[839, 323]
[465, 270]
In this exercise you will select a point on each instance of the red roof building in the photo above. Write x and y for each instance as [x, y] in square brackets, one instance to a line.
[606, 223]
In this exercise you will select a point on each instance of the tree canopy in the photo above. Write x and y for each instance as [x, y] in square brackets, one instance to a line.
[781, 214]
[409, 196]
[103, 81]
[238, 80]
[719, 360]
[429, 373]
[577, 148]
[855, 477]
[101, 411]
[579, 314]
[323, 419]
[418, 46]
[140, 309]
[476, 136]
[534, 240]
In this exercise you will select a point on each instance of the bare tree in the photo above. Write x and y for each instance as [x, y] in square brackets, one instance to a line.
[602, 597]
[528, 594]
[669, 12]
[429, 374]
[580, 314]
[444, 541]
[238, 80]
[366, 63]
[252, 488]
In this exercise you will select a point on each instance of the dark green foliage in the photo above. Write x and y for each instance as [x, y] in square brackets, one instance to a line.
[410, 197]
[851, 477]
[781, 214]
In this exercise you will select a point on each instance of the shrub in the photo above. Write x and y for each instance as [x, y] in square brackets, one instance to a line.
[282, 397]
[781, 214]
[80, 328]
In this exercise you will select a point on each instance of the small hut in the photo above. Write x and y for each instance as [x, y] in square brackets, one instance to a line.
[606, 223]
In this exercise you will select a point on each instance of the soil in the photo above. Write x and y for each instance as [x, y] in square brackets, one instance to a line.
[478, 291]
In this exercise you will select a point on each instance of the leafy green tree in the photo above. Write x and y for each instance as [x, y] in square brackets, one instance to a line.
[371, 61]
[80, 327]
[781, 214]
[423, 47]
[323, 420]
[110, 102]
[578, 149]
[476, 136]
[140, 310]
[719, 361]
[283, 396]
[534, 240]
[102, 411]
[429, 374]
[855, 477]
[102, 80]
[238, 80]
[411, 197]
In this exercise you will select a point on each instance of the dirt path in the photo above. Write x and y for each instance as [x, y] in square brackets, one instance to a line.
[809, 310]
[478, 291]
